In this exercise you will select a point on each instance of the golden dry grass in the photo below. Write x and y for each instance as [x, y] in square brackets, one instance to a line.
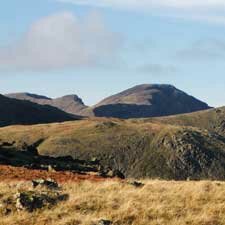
[157, 203]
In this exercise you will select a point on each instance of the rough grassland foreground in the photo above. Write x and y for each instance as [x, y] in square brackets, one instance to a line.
[157, 203]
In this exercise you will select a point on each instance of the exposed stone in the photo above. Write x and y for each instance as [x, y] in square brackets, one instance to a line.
[106, 125]
[51, 169]
[111, 173]
[119, 174]
[31, 201]
[94, 160]
[104, 222]
[7, 211]
[136, 184]
[49, 183]
[44, 167]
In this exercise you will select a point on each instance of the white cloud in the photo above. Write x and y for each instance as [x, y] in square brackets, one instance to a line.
[157, 69]
[207, 10]
[61, 41]
[201, 50]
[151, 3]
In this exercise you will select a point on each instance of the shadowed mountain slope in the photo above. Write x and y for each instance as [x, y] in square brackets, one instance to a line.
[147, 101]
[14, 111]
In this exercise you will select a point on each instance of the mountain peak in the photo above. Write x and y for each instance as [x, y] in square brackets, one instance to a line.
[148, 100]
[154, 86]
[72, 97]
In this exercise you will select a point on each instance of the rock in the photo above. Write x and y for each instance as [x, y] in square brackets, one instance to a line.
[94, 160]
[5, 207]
[111, 173]
[7, 211]
[51, 169]
[136, 184]
[119, 174]
[49, 183]
[31, 201]
[106, 125]
[44, 167]
[104, 222]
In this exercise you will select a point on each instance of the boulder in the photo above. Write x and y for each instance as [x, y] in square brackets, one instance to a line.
[104, 222]
[119, 174]
[51, 169]
[111, 173]
[49, 183]
[136, 184]
[31, 201]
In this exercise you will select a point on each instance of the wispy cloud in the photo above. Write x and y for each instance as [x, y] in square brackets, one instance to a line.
[207, 10]
[151, 3]
[201, 50]
[61, 41]
[157, 69]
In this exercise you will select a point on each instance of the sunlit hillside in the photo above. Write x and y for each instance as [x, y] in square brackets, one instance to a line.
[138, 148]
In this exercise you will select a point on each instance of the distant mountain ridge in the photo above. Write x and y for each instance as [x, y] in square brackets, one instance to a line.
[70, 103]
[14, 111]
[146, 100]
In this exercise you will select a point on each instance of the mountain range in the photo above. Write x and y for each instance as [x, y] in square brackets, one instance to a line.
[157, 141]
[147, 100]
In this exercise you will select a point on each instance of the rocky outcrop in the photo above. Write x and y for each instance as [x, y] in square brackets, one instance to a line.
[48, 183]
[32, 199]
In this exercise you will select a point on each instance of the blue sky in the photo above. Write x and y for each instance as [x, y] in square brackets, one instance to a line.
[97, 48]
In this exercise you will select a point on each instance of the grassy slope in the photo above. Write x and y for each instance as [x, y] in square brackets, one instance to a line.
[212, 120]
[137, 148]
[157, 203]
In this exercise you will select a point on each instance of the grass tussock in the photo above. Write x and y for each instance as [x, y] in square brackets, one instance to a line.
[157, 203]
